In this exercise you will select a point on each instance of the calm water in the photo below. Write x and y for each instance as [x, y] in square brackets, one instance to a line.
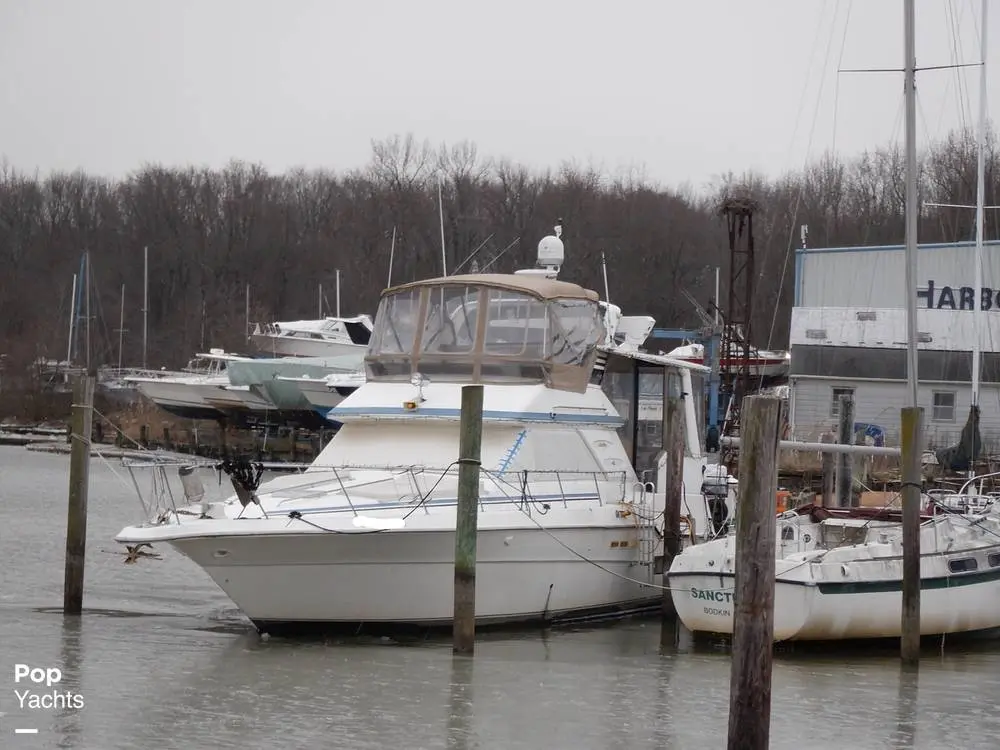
[164, 661]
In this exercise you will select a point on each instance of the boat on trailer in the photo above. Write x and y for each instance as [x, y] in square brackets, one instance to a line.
[572, 485]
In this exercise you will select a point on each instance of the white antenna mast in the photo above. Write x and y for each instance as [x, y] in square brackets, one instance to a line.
[72, 323]
[604, 270]
[392, 252]
[121, 329]
[444, 260]
[338, 292]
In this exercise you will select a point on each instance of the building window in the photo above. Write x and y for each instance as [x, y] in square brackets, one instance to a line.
[835, 403]
[944, 406]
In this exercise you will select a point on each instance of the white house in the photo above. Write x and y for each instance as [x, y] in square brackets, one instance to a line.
[848, 335]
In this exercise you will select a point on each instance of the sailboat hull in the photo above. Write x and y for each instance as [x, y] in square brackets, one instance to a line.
[848, 609]
[299, 582]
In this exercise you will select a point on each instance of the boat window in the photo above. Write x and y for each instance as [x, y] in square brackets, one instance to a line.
[576, 330]
[618, 385]
[962, 565]
[517, 326]
[994, 559]
[396, 323]
[451, 320]
[358, 332]
[698, 393]
[787, 533]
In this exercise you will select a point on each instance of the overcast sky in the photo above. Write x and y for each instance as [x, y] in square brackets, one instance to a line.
[688, 88]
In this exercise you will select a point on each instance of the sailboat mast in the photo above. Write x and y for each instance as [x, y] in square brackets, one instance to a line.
[980, 199]
[910, 93]
[72, 323]
[87, 287]
[338, 292]
[444, 258]
[145, 300]
[121, 329]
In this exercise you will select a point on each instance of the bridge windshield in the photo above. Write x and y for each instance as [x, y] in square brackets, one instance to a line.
[484, 328]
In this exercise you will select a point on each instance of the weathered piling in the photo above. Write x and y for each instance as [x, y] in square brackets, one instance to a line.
[466, 520]
[673, 445]
[753, 631]
[79, 480]
[845, 464]
[912, 429]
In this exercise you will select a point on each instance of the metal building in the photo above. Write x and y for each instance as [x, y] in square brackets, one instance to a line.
[848, 336]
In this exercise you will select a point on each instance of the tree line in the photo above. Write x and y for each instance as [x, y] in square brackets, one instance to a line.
[211, 233]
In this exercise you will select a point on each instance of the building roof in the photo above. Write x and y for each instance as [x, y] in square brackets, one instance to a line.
[537, 286]
[899, 248]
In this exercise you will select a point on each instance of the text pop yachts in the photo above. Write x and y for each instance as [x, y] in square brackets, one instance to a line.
[29, 696]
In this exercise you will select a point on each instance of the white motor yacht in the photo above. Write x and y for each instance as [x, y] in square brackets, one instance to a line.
[572, 486]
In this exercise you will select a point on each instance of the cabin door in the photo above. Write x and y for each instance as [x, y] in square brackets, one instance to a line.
[636, 390]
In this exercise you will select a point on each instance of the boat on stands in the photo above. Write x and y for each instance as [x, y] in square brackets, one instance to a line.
[325, 393]
[572, 486]
[762, 363]
[324, 337]
[201, 390]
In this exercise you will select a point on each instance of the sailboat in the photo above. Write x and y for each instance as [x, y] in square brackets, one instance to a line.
[838, 572]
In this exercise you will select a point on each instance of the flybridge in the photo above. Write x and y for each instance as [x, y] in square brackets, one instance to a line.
[957, 298]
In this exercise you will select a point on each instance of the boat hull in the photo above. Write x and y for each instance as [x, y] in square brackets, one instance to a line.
[758, 367]
[294, 346]
[850, 610]
[406, 578]
[321, 397]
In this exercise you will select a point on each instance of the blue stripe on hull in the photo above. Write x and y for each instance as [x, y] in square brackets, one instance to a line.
[517, 416]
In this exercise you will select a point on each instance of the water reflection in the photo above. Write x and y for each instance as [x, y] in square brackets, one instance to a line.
[663, 728]
[460, 701]
[905, 734]
[68, 718]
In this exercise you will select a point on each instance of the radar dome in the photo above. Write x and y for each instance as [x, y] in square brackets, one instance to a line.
[550, 251]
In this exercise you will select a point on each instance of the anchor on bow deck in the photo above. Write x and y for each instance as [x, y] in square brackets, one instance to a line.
[245, 477]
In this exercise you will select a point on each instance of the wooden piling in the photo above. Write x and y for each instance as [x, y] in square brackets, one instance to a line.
[845, 465]
[466, 521]
[829, 473]
[79, 481]
[673, 444]
[911, 429]
[753, 631]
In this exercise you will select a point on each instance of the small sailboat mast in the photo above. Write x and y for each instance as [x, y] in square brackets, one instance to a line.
[912, 210]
